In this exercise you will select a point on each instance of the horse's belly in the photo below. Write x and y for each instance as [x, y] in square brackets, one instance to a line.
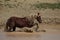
[21, 25]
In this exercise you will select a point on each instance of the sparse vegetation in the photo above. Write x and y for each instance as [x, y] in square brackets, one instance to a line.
[9, 5]
[47, 5]
[7, 0]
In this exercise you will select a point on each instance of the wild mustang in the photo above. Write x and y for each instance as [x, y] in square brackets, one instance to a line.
[14, 22]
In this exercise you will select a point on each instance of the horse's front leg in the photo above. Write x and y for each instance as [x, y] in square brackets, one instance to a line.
[36, 27]
[14, 28]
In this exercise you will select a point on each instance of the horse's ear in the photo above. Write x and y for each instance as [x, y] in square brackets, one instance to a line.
[38, 13]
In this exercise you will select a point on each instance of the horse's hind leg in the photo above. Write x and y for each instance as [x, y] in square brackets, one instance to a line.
[14, 28]
[9, 30]
[11, 26]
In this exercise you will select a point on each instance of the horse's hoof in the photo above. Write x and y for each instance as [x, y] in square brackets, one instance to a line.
[30, 31]
[38, 31]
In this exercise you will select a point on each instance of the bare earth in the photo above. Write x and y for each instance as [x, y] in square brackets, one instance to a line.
[52, 33]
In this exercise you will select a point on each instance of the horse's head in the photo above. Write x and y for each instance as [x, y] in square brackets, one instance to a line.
[38, 18]
[34, 18]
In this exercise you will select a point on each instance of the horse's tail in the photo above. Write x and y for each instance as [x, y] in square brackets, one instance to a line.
[6, 28]
[7, 25]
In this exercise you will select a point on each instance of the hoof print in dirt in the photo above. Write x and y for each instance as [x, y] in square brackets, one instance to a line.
[43, 30]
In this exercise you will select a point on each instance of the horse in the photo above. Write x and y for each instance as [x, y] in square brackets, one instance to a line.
[19, 22]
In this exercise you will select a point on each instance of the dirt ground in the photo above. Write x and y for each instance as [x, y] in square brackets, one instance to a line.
[52, 33]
